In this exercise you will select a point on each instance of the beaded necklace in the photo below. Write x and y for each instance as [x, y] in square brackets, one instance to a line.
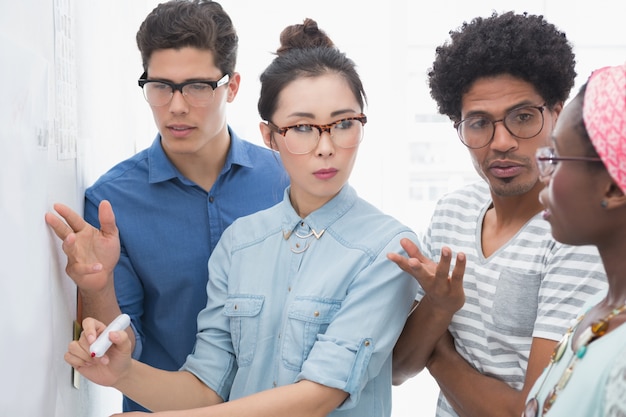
[590, 334]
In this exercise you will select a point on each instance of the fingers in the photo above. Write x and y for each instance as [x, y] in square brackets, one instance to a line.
[91, 329]
[443, 267]
[411, 249]
[121, 340]
[63, 229]
[106, 218]
[73, 219]
[459, 268]
[60, 228]
[79, 351]
[426, 271]
[406, 264]
[413, 262]
[78, 354]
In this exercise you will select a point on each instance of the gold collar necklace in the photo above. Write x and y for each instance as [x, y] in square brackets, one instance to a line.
[590, 334]
[299, 246]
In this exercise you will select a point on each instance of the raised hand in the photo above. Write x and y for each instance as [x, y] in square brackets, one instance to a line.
[91, 253]
[442, 289]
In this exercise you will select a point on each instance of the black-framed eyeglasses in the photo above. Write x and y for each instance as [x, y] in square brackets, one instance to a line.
[198, 93]
[547, 160]
[302, 138]
[523, 123]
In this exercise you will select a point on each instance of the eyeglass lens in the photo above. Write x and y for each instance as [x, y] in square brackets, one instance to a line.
[196, 94]
[523, 123]
[545, 161]
[199, 94]
[345, 133]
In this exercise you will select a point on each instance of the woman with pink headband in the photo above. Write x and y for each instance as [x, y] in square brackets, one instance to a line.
[585, 203]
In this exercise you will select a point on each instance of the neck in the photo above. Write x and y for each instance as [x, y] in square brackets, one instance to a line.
[204, 165]
[516, 209]
[505, 218]
[614, 261]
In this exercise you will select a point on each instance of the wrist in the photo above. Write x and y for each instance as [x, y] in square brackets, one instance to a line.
[439, 312]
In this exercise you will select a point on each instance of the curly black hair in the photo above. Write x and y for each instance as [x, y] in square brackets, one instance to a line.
[522, 45]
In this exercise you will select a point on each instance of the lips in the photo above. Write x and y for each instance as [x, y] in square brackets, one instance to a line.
[179, 130]
[325, 173]
[505, 169]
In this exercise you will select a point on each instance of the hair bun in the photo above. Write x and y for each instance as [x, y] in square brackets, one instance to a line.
[303, 36]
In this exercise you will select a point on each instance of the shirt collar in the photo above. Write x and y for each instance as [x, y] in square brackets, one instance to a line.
[161, 168]
[322, 218]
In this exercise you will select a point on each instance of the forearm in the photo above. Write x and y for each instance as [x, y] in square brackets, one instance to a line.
[102, 305]
[302, 399]
[423, 328]
[471, 393]
[160, 390]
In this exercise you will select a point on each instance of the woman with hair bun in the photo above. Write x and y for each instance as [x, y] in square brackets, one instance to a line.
[304, 308]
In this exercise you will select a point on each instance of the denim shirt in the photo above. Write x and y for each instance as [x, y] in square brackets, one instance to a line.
[168, 227]
[315, 299]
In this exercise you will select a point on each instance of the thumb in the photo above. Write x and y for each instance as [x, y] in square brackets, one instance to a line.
[107, 218]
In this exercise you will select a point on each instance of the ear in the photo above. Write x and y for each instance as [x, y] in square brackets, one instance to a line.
[266, 133]
[614, 196]
[233, 86]
[557, 109]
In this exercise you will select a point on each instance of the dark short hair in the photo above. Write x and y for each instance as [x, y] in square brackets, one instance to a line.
[522, 45]
[200, 24]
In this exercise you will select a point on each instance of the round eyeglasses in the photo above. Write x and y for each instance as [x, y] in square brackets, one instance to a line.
[547, 160]
[302, 138]
[198, 93]
[523, 123]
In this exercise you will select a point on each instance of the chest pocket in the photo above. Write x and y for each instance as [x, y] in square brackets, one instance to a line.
[244, 314]
[516, 303]
[307, 317]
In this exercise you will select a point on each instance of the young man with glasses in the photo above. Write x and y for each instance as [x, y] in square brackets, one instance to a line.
[173, 200]
[502, 80]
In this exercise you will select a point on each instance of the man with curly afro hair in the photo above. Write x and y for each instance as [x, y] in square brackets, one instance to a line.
[513, 289]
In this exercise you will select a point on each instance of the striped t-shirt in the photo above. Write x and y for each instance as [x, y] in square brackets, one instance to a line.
[531, 287]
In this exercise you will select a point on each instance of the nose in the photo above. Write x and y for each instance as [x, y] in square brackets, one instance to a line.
[503, 141]
[325, 145]
[178, 104]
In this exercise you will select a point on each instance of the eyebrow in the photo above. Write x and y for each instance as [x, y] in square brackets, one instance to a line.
[507, 110]
[332, 114]
[194, 79]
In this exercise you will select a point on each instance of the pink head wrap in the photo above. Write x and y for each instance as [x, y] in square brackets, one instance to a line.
[604, 115]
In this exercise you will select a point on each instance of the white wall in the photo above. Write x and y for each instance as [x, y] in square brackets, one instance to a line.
[70, 110]
[42, 73]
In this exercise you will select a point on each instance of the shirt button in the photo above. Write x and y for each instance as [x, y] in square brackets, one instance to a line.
[316, 314]
[367, 343]
[236, 307]
[211, 199]
[274, 384]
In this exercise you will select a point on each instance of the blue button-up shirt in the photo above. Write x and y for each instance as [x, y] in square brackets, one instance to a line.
[313, 299]
[168, 229]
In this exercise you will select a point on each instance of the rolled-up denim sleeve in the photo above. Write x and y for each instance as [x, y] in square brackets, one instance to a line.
[213, 359]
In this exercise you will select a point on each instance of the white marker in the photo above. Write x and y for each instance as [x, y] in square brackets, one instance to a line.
[102, 343]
